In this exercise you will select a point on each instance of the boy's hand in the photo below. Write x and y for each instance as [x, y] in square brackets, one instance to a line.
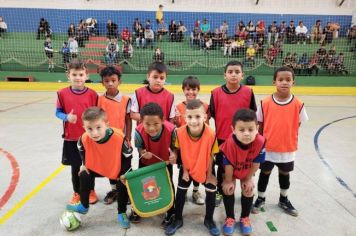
[146, 155]
[247, 186]
[71, 117]
[211, 179]
[83, 168]
[228, 187]
[172, 157]
[185, 176]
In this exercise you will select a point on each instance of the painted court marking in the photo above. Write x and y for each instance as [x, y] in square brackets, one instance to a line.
[24, 104]
[14, 178]
[13, 210]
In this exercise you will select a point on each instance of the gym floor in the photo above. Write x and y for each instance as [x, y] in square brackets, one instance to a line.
[34, 187]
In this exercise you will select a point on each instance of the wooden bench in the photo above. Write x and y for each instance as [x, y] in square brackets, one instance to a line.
[19, 78]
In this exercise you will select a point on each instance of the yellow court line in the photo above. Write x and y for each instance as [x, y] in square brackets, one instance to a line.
[130, 88]
[13, 210]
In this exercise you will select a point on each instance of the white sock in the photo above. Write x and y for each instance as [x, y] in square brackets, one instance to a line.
[261, 194]
[284, 192]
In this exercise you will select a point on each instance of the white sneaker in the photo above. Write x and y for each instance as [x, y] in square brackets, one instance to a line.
[197, 198]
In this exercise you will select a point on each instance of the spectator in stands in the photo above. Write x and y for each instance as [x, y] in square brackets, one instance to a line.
[3, 26]
[162, 30]
[43, 28]
[279, 46]
[149, 38]
[49, 53]
[228, 47]
[290, 32]
[111, 29]
[135, 26]
[273, 32]
[271, 55]
[282, 30]
[126, 35]
[112, 51]
[260, 47]
[148, 24]
[127, 49]
[81, 34]
[288, 61]
[72, 31]
[92, 25]
[302, 65]
[66, 55]
[351, 34]
[217, 38]
[260, 30]
[205, 28]
[328, 32]
[158, 55]
[301, 32]
[313, 64]
[173, 28]
[321, 52]
[140, 37]
[332, 50]
[317, 33]
[339, 67]
[208, 43]
[73, 47]
[250, 55]
[159, 14]
[224, 29]
[243, 33]
[196, 38]
[240, 47]
[181, 31]
[238, 28]
[251, 30]
[197, 24]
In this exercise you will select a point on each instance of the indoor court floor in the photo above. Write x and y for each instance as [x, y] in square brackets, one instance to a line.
[35, 188]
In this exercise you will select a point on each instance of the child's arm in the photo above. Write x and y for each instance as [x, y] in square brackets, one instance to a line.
[185, 176]
[128, 125]
[228, 184]
[135, 116]
[247, 183]
[134, 111]
[210, 177]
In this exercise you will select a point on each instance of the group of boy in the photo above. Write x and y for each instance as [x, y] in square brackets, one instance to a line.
[96, 129]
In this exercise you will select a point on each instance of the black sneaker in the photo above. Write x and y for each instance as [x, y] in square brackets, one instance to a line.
[168, 219]
[213, 230]
[173, 227]
[134, 218]
[111, 197]
[287, 206]
[259, 203]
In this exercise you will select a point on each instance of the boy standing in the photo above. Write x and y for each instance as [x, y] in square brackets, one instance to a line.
[104, 152]
[280, 116]
[117, 107]
[243, 152]
[71, 103]
[224, 102]
[197, 144]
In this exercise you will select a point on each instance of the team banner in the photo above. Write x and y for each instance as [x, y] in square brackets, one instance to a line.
[150, 189]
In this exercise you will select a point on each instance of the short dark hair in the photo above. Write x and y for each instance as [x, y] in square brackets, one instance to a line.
[245, 115]
[109, 71]
[94, 113]
[191, 82]
[283, 68]
[151, 109]
[194, 104]
[233, 63]
[76, 64]
[158, 66]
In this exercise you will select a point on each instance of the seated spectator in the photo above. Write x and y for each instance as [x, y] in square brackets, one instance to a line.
[112, 51]
[273, 32]
[43, 28]
[111, 29]
[158, 55]
[260, 30]
[243, 33]
[181, 31]
[149, 38]
[217, 38]
[335, 27]
[127, 50]
[332, 50]
[271, 55]
[313, 64]
[196, 37]
[92, 25]
[251, 30]
[66, 55]
[72, 31]
[126, 35]
[301, 33]
[224, 29]
[328, 32]
[3, 26]
[321, 52]
[250, 55]
[279, 46]
[351, 34]
[162, 29]
[173, 28]
[282, 30]
[259, 47]
[205, 28]
[208, 43]
[148, 24]
[302, 65]
[73, 47]
[288, 61]
[317, 33]
[135, 27]
[238, 29]
[140, 37]
[228, 47]
[339, 67]
[240, 47]
[290, 33]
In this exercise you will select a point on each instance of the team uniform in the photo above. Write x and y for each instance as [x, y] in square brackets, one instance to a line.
[181, 107]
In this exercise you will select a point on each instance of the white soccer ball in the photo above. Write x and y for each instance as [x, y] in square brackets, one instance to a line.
[70, 220]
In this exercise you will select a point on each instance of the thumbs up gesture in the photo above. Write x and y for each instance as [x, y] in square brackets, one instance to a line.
[172, 157]
[71, 117]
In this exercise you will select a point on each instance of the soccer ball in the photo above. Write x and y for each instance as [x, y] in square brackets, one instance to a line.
[70, 220]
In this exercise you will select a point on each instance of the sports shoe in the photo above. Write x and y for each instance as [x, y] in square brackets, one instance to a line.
[229, 226]
[197, 198]
[75, 198]
[110, 197]
[218, 199]
[287, 206]
[173, 227]
[92, 197]
[134, 218]
[78, 207]
[245, 226]
[168, 219]
[123, 220]
[259, 203]
[213, 230]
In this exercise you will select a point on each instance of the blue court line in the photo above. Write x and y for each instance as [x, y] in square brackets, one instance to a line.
[322, 158]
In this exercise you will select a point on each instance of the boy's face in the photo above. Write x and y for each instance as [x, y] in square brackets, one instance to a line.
[195, 119]
[96, 129]
[245, 131]
[156, 80]
[152, 125]
[111, 83]
[284, 82]
[77, 78]
[233, 75]
[190, 93]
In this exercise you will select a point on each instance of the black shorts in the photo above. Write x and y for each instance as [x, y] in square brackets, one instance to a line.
[49, 54]
[285, 167]
[70, 154]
